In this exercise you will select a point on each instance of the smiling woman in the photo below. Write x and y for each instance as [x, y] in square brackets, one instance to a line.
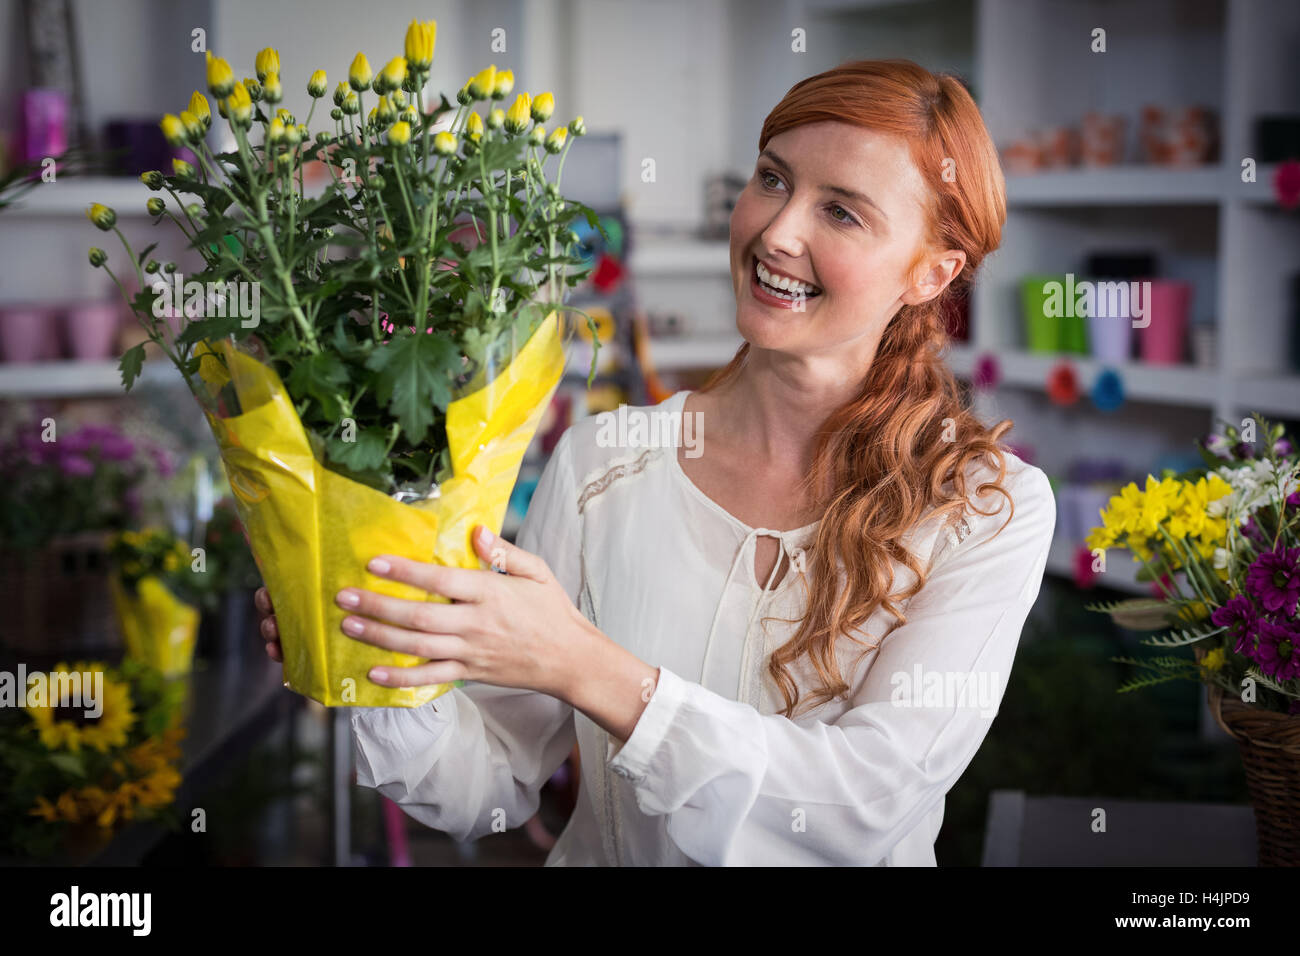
[762, 651]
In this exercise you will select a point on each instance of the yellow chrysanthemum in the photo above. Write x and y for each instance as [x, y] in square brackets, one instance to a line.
[1214, 660]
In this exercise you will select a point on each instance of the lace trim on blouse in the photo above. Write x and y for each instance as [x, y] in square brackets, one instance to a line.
[613, 471]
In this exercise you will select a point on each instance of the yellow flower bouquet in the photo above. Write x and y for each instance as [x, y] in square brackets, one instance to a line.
[375, 359]
[156, 596]
[87, 746]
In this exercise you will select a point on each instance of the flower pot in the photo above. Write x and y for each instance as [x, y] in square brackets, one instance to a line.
[1269, 743]
[27, 334]
[90, 330]
[1111, 338]
[1043, 333]
[1164, 340]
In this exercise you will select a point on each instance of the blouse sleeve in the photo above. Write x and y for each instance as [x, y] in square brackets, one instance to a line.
[742, 788]
[478, 755]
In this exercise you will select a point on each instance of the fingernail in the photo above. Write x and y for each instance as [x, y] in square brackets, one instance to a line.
[349, 598]
[352, 626]
[484, 536]
[379, 566]
[379, 676]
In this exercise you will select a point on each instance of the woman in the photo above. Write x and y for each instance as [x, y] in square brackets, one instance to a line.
[791, 645]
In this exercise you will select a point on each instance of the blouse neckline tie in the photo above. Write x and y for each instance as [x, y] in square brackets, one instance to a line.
[762, 598]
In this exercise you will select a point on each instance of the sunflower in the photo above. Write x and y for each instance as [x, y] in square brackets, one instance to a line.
[63, 728]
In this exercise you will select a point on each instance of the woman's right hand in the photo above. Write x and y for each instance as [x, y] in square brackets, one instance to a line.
[270, 632]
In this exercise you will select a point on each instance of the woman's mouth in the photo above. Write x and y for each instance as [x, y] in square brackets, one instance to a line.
[767, 288]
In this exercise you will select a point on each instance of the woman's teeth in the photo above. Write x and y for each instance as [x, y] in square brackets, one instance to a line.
[784, 287]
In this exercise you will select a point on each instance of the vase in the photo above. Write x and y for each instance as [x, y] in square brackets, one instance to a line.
[90, 330]
[27, 334]
[1269, 743]
[1164, 340]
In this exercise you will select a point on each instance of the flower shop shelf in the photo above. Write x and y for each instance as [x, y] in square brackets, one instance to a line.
[1122, 185]
[1269, 394]
[72, 379]
[656, 256]
[1186, 385]
[669, 353]
[71, 196]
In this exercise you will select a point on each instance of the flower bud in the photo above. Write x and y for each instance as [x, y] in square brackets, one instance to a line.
[293, 135]
[386, 112]
[173, 129]
[239, 107]
[194, 210]
[398, 98]
[102, 216]
[474, 127]
[502, 84]
[284, 162]
[420, 39]
[336, 114]
[153, 179]
[577, 127]
[182, 169]
[97, 256]
[399, 134]
[271, 88]
[537, 135]
[317, 85]
[463, 96]
[496, 119]
[275, 131]
[359, 75]
[444, 143]
[410, 115]
[555, 142]
[285, 116]
[375, 182]
[323, 137]
[267, 61]
[542, 107]
[151, 266]
[155, 206]
[517, 118]
[199, 107]
[393, 74]
[341, 92]
[480, 87]
[169, 268]
[193, 125]
[351, 104]
[254, 89]
[221, 78]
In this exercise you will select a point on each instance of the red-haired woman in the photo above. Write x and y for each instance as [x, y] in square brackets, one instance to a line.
[783, 640]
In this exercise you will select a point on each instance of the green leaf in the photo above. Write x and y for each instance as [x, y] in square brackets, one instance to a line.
[415, 378]
[365, 454]
[322, 377]
[69, 763]
[131, 364]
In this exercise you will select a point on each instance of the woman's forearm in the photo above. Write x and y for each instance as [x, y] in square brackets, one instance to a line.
[609, 684]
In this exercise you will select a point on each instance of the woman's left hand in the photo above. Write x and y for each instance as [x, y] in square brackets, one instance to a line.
[514, 629]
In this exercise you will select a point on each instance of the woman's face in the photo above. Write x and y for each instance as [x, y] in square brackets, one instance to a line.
[839, 208]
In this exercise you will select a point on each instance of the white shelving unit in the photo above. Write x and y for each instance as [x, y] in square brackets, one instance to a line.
[72, 379]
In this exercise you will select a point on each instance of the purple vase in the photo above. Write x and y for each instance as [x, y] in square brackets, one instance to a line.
[27, 334]
[90, 330]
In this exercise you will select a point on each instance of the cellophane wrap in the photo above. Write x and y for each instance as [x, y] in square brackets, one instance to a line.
[158, 628]
[312, 531]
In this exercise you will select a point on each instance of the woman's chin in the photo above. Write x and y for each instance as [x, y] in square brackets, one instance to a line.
[767, 330]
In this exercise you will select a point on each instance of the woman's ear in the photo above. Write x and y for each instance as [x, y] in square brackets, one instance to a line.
[934, 275]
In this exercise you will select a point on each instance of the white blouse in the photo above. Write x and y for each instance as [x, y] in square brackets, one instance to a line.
[712, 773]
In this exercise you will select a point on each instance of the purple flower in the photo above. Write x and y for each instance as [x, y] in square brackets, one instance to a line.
[117, 448]
[1278, 654]
[1243, 450]
[1293, 500]
[1282, 447]
[1274, 580]
[1239, 617]
[77, 466]
[163, 461]
[1252, 531]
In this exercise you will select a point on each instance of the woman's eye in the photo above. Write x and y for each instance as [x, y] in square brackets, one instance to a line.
[848, 218]
[769, 179]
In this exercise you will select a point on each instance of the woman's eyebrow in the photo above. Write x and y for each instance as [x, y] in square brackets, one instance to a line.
[837, 190]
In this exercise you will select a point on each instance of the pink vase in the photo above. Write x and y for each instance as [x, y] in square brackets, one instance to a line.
[27, 334]
[90, 329]
[1164, 340]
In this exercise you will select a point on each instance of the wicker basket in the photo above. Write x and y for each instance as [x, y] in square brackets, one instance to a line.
[57, 599]
[1270, 751]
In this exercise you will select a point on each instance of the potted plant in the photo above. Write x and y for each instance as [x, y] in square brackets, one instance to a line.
[1231, 532]
[372, 381]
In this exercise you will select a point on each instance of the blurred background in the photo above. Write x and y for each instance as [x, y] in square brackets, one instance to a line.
[1161, 156]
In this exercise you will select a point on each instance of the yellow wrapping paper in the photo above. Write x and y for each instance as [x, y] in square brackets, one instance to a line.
[157, 627]
[312, 530]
